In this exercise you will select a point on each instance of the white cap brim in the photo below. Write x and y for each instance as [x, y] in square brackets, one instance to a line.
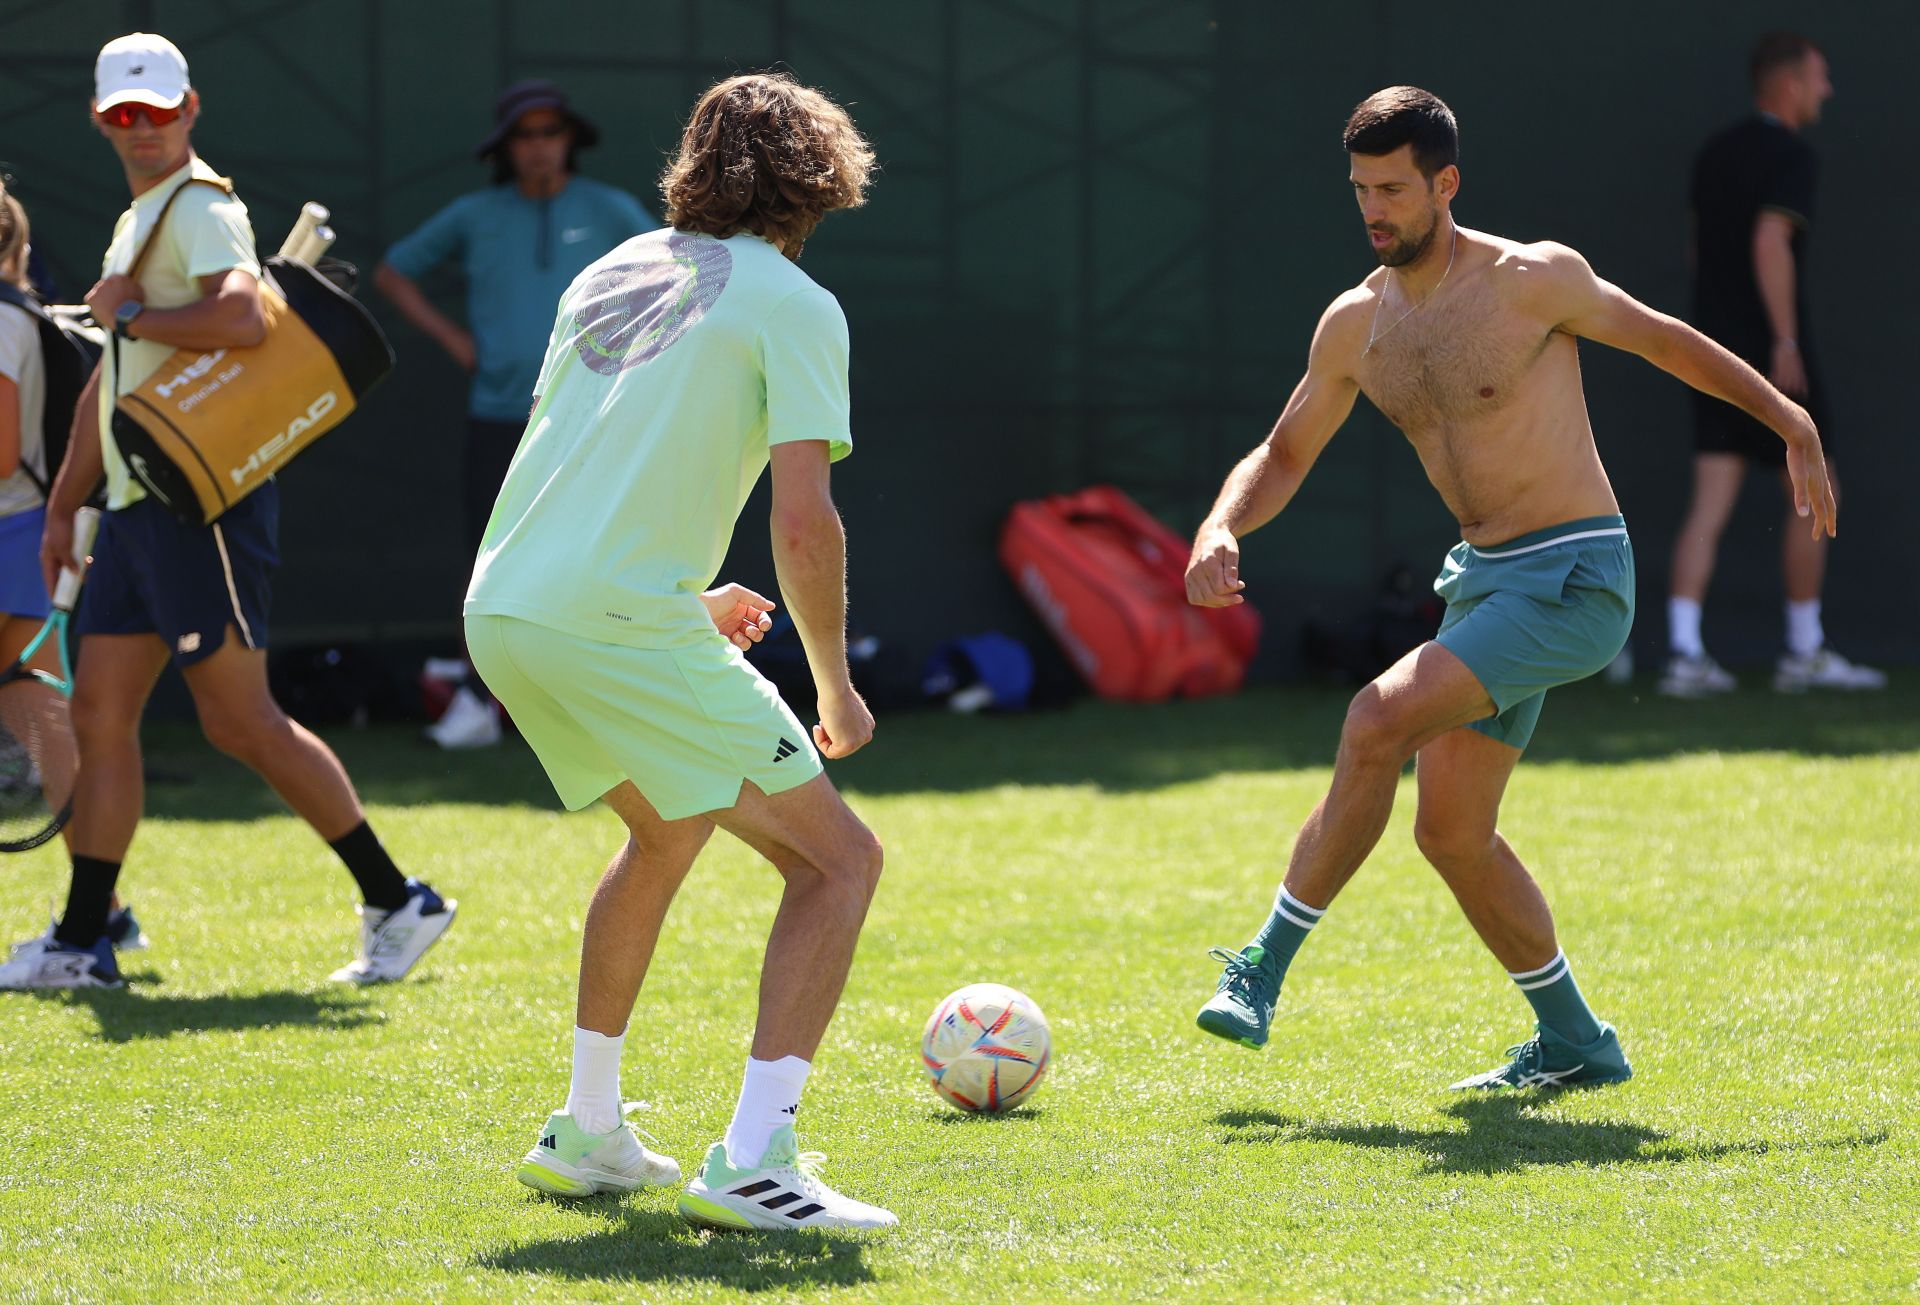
[141, 95]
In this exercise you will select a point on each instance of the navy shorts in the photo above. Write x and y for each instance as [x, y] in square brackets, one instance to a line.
[187, 584]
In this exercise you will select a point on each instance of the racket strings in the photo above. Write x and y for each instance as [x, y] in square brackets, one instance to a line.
[38, 762]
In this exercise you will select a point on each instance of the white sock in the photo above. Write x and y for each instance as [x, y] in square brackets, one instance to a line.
[1683, 627]
[594, 1098]
[1804, 635]
[769, 1097]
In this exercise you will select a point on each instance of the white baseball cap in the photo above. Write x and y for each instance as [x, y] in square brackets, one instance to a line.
[140, 68]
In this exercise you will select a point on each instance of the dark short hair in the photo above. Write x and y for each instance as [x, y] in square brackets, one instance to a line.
[1777, 50]
[1405, 115]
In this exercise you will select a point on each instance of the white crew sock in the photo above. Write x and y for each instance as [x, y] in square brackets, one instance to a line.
[1683, 627]
[1804, 635]
[594, 1098]
[769, 1097]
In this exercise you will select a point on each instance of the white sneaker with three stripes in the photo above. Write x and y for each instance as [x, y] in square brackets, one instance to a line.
[783, 1191]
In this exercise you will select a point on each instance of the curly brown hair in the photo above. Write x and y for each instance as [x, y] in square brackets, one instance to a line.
[762, 153]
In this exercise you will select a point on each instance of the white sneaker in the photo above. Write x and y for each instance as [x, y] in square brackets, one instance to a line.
[784, 1192]
[568, 1161]
[44, 963]
[391, 941]
[467, 722]
[1695, 677]
[1824, 669]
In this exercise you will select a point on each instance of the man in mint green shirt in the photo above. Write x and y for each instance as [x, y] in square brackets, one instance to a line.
[680, 366]
[518, 243]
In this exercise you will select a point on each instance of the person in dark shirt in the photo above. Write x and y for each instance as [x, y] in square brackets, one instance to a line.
[1753, 211]
[520, 242]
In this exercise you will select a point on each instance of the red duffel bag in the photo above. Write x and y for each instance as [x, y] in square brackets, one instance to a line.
[1109, 581]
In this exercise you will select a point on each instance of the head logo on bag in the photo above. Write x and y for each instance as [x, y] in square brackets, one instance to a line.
[315, 414]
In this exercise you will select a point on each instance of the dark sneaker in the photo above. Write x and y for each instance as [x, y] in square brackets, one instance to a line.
[1547, 1060]
[1242, 1006]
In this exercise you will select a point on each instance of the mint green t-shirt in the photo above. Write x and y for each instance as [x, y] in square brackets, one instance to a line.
[676, 361]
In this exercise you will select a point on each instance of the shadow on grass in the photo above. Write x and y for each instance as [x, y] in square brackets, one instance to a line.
[1019, 1114]
[1503, 1133]
[1110, 746]
[652, 1245]
[134, 1013]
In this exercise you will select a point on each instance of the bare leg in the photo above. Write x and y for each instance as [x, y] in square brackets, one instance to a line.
[629, 906]
[240, 717]
[1716, 488]
[110, 688]
[1424, 694]
[831, 863]
[1803, 555]
[1463, 775]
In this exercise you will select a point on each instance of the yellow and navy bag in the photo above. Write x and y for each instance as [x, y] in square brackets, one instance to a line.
[210, 426]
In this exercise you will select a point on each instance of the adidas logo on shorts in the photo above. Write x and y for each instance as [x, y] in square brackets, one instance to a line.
[785, 750]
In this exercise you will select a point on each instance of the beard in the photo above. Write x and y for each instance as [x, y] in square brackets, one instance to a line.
[1405, 249]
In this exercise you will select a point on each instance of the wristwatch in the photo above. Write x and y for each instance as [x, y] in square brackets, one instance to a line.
[123, 317]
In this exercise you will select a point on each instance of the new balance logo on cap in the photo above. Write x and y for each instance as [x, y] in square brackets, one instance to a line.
[785, 750]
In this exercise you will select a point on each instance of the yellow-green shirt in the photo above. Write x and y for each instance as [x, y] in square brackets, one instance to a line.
[675, 363]
[206, 233]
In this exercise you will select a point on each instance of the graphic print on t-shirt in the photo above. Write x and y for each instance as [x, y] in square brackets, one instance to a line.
[632, 312]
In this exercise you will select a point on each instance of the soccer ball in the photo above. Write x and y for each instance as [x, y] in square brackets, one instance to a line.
[986, 1047]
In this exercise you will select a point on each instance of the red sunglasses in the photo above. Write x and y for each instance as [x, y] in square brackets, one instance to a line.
[127, 113]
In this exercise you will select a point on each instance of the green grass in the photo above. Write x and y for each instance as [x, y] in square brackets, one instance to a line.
[1734, 882]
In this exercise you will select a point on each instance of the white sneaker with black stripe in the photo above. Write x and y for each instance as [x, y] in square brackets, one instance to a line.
[392, 941]
[784, 1191]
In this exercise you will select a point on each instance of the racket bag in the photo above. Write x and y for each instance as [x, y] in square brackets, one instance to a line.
[1109, 580]
[209, 427]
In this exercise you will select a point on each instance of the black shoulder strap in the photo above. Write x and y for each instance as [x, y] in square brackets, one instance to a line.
[13, 294]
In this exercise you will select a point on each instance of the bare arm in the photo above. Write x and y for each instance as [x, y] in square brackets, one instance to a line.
[1266, 479]
[227, 316]
[1773, 271]
[1580, 303]
[406, 296]
[74, 482]
[810, 560]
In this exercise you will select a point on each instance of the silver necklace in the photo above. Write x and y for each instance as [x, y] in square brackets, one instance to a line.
[1374, 333]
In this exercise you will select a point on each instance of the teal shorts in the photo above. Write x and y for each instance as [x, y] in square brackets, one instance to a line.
[687, 725]
[1536, 612]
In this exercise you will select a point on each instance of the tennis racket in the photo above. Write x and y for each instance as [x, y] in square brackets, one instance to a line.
[38, 759]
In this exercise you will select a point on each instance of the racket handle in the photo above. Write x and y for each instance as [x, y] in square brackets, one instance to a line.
[312, 215]
[86, 524]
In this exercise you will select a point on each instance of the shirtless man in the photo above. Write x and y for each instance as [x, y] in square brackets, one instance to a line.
[1467, 342]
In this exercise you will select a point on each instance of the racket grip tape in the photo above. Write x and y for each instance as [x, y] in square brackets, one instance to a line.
[86, 524]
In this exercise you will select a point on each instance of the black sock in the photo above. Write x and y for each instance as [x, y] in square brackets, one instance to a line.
[89, 898]
[381, 883]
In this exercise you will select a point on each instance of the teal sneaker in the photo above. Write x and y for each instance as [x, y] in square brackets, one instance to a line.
[784, 1191]
[569, 1162]
[1242, 1006]
[1547, 1060]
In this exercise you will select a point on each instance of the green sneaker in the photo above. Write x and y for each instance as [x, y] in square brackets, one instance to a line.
[569, 1162]
[1242, 1006]
[1547, 1060]
[785, 1191]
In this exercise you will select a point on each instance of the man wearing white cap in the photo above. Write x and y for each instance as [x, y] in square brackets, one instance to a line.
[181, 273]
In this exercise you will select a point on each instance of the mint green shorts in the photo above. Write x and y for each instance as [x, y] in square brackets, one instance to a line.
[686, 725]
[1536, 612]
